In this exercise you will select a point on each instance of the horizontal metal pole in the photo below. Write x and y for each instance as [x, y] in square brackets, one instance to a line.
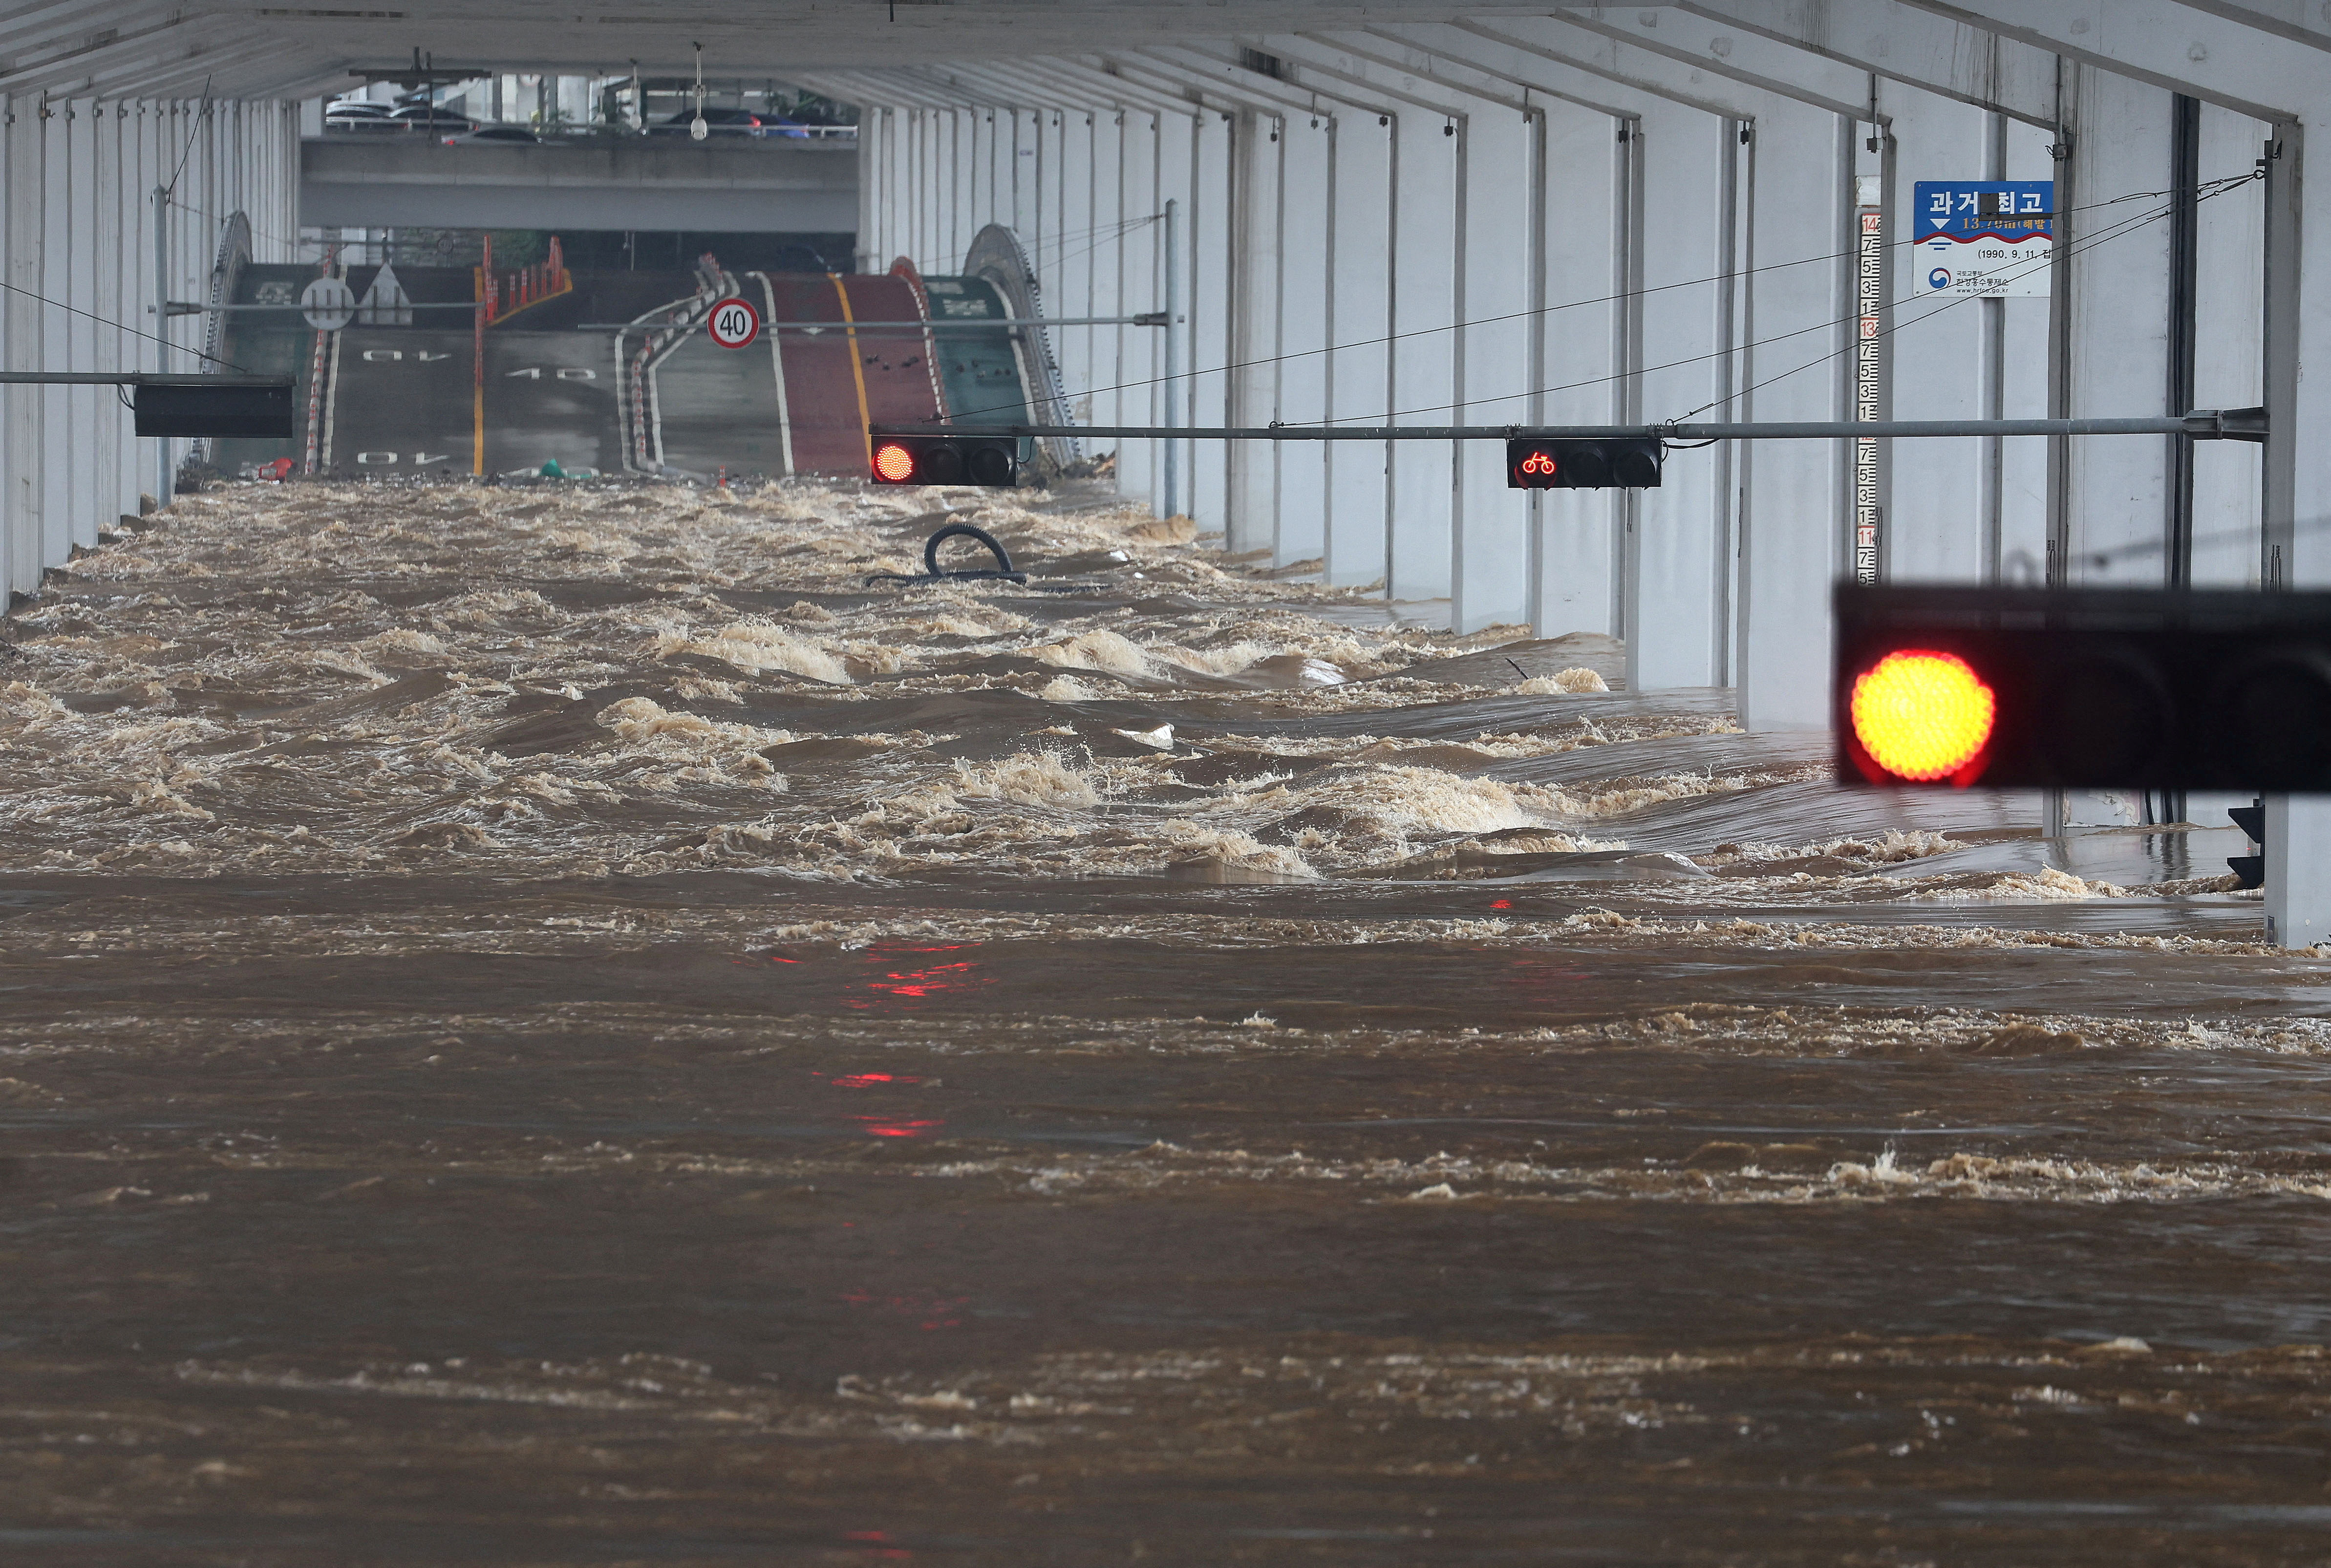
[184, 308]
[131, 378]
[902, 326]
[2203, 425]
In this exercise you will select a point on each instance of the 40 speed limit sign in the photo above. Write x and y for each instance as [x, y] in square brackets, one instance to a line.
[734, 323]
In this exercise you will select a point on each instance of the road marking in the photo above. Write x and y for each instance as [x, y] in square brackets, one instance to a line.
[857, 369]
[778, 364]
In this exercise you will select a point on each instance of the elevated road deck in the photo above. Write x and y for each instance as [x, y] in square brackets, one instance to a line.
[738, 185]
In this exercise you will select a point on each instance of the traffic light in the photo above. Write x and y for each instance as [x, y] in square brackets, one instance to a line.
[1628, 463]
[2249, 870]
[947, 460]
[242, 407]
[2110, 688]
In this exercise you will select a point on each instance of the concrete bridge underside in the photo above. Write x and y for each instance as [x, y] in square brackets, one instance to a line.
[1428, 212]
[655, 183]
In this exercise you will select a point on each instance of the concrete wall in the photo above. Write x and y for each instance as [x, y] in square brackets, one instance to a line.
[77, 228]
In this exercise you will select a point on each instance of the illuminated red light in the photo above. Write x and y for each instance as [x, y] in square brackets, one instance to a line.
[894, 463]
[1923, 715]
[1538, 464]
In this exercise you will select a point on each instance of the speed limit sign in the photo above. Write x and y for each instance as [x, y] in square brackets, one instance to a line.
[734, 323]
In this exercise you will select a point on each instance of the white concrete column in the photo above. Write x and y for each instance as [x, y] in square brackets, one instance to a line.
[2229, 339]
[1079, 351]
[21, 407]
[115, 446]
[1938, 354]
[1582, 340]
[1498, 154]
[1359, 368]
[1210, 339]
[1175, 145]
[1254, 477]
[2114, 496]
[62, 444]
[1793, 528]
[2024, 355]
[1135, 288]
[1425, 215]
[1673, 638]
[1306, 223]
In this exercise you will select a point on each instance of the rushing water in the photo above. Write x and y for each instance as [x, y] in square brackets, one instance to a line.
[560, 1026]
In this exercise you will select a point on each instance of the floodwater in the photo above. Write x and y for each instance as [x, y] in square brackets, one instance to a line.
[559, 1026]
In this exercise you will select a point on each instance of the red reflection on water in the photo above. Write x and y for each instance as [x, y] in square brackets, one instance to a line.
[899, 989]
[934, 1312]
[1502, 903]
[868, 1079]
[898, 1129]
[886, 1553]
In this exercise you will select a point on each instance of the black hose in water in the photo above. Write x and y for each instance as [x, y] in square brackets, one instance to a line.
[1004, 571]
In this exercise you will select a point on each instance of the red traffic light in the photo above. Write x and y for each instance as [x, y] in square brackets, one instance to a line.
[907, 460]
[2084, 687]
[1923, 716]
[1628, 463]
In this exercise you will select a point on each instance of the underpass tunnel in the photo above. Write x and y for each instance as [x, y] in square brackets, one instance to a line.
[614, 372]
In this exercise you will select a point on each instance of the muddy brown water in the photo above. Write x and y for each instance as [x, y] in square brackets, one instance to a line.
[553, 1027]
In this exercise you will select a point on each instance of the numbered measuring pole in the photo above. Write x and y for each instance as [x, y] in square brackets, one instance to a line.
[734, 323]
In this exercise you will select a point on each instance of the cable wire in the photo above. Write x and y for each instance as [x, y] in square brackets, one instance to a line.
[2115, 231]
[2078, 247]
[118, 326]
[2228, 181]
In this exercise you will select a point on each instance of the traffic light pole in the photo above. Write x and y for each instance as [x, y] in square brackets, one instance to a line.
[2201, 424]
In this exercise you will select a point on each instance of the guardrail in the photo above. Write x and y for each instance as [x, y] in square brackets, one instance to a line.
[582, 136]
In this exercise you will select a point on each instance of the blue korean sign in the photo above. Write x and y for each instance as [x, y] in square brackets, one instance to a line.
[1985, 239]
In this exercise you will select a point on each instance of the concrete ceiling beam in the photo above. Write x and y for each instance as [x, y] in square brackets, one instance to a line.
[1768, 65]
[1265, 94]
[2173, 46]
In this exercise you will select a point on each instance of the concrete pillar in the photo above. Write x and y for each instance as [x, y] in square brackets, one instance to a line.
[1079, 351]
[1174, 146]
[21, 407]
[58, 451]
[2024, 357]
[1210, 341]
[1497, 155]
[1253, 475]
[1359, 369]
[2113, 498]
[1136, 279]
[105, 204]
[1306, 223]
[2297, 486]
[1105, 265]
[1581, 339]
[1425, 181]
[89, 418]
[2229, 336]
[1940, 353]
[1793, 526]
[1673, 636]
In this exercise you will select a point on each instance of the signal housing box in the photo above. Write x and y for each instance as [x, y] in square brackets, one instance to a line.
[1601, 462]
[951, 459]
[2112, 687]
[258, 413]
